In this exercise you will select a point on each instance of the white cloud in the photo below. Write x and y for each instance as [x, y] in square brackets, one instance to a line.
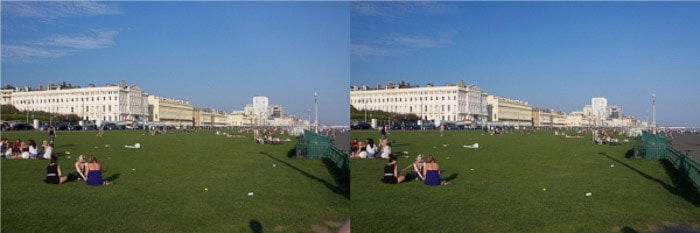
[24, 54]
[367, 50]
[99, 39]
[398, 9]
[58, 9]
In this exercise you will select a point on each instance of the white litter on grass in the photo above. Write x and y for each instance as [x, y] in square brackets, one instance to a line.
[135, 146]
[589, 194]
[106, 145]
[626, 140]
[444, 145]
[473, 146]
[405, 152]
[133, 169]
[69, 156]
[612, 165]
[67, 152]
[471, 169]
[274, 165]
[287, 140]
[250, 194]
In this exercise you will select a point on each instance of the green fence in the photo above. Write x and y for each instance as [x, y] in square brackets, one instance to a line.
[312, 145]
[657, 147]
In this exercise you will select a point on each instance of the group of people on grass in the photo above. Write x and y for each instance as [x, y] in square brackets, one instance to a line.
[369, 150]
[90, 172]
[266, 136]
[25, 150]
[427, 170]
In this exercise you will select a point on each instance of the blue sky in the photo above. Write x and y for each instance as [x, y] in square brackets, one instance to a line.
[551, 54]
[214, 54]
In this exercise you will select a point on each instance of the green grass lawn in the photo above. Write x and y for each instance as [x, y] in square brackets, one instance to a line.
[160, 188]
[504, 191]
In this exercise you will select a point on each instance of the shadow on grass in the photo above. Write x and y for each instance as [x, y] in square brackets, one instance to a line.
[451, 177]
[341, 176]
[628, 230]
[113, 177]
[681, 187]
[629, 154]
[255, 226]
[291, 153]
[336, 189]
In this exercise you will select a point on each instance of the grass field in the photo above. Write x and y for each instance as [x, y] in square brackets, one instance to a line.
[160, 188]
[504, 191]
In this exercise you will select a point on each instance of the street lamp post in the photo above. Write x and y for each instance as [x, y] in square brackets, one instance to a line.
[316, 109]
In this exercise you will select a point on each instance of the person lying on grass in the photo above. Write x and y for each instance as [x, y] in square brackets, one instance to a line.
[53, 172]
[391, 172]
[431, 171]
[417, 172]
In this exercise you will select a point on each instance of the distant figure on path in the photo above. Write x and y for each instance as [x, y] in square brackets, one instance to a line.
[383, 132]
[101, 130]
[52, 133]
[442, 130]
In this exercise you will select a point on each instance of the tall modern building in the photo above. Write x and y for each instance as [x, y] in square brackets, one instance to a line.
[450, 102]
[107, 103]
[599, 107]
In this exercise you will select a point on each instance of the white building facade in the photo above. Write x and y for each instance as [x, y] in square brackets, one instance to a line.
[107, 103]
[451, 103]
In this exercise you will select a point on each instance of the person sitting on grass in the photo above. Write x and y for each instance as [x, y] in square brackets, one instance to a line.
[4, 145]
[354, 146]
[431, 172]
[391, 172]
[371, 148]
[25, 150]
[9, 153]
[80, 168]
[363, 153]
[386, 149]
[94, 173]
[48, 149]
[53, 172]
[417, 172]
[33, 151]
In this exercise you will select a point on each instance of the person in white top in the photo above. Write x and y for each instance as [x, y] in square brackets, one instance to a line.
[371, 148]
[386, 149]
[48, 149]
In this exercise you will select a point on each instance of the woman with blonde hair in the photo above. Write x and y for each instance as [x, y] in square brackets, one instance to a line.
[81, 168]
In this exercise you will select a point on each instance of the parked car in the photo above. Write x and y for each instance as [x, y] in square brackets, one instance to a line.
[90, 127]
[429, 126]
[43, 128]
[14, 126]
[62, 126]
[361, 125]
[111, 126]
[76, 127]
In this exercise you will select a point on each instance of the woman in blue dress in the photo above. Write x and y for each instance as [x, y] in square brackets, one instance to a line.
[431, 171]
[94, 172]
